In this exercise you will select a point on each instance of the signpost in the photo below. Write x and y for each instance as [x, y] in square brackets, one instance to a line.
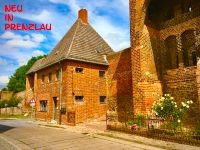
[32, 104]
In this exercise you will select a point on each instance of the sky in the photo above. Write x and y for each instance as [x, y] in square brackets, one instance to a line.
[110, 18]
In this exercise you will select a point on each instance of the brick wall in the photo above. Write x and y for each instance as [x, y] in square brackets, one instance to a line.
[182, 84]
[150, 59]
[6, 95]
[87, 84]
[120, 84]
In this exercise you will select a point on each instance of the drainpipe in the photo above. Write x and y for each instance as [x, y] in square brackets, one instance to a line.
[60, 87]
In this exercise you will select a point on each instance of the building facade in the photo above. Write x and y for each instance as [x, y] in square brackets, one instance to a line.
[163, 58]
[165, 46]
[69, 85]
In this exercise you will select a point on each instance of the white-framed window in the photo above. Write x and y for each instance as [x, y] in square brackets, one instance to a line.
[43, 105]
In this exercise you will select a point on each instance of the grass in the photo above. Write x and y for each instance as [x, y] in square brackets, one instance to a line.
[13, 116]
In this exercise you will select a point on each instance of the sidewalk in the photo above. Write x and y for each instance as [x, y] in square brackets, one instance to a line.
[97, 128]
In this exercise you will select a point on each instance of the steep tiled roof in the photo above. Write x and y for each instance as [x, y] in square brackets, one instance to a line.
[81, 43]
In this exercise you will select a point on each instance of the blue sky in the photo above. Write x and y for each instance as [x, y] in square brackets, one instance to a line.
[110, 18]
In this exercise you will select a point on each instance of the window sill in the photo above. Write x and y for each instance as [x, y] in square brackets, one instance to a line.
[102, 103]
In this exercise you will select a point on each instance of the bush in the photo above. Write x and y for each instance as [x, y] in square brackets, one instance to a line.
[2, 103]
[140, 120]
[167, 109]
[12, 102]
[197, 130]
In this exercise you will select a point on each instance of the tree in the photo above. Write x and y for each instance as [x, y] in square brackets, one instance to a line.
[4, 89]
[17, 82]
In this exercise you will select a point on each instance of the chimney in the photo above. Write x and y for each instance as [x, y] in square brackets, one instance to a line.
[83, 15]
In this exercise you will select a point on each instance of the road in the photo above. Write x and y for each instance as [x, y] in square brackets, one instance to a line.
[24, 135]
[19, 134]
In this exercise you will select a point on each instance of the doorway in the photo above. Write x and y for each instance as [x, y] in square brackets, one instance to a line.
[55, 107]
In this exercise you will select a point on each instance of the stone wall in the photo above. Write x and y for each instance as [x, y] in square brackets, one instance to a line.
[10, 111]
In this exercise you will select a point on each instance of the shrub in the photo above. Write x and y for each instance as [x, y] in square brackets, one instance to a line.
[197, 130]
[140, 120]
[14, 101]
[2, 103]
[166, 108]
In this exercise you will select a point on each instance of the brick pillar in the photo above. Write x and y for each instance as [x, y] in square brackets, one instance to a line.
[144, 93]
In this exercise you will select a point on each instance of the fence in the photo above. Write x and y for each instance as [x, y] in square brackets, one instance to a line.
[154, 127]
[10, 111]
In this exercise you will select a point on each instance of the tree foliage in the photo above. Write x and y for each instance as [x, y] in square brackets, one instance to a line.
[17, 82]
[12, 102]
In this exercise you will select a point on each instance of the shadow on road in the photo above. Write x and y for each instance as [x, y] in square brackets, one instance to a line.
[4, 128]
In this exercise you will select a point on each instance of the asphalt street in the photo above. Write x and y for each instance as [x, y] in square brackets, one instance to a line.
[21, 134]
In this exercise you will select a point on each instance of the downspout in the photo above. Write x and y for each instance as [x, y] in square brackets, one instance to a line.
[60, 87]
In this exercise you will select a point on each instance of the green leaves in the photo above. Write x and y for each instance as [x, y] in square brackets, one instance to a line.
[166, 108]
[12, 102]
[17, 82]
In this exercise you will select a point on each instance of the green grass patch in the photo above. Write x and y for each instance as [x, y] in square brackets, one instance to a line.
[13, 116]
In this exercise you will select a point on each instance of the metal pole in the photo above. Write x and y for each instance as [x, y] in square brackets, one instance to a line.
[60, 117]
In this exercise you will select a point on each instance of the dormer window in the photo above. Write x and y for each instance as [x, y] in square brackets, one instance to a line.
[98, 49]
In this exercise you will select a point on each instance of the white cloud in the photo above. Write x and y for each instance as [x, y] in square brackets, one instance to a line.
[37, 53]
[19, 41]
[117, 37]
[38, 37]
[4, 79]
[43, 16]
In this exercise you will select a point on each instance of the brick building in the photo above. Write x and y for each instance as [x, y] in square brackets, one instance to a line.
[165, 48]
[72, 77]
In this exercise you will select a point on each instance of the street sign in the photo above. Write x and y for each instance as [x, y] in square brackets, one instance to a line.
[32, 102]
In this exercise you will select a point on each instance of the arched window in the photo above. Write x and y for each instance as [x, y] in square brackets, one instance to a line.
[188, 48]
[171, 52]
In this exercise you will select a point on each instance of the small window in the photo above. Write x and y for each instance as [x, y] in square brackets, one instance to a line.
[43, 77]
[50, 77]
[57, 75]
[43, 105]
[79, 98]
[102, 74]
[102, 99]
[79, 70]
